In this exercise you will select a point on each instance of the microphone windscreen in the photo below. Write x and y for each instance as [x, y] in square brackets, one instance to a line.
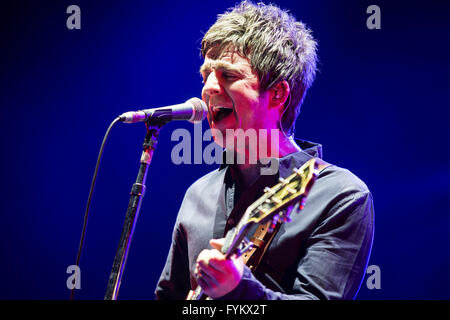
[200, 110]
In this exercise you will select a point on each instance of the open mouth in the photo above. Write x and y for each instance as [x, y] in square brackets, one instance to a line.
[220, 112]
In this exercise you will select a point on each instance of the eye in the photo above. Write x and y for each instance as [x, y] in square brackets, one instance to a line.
[229, 76]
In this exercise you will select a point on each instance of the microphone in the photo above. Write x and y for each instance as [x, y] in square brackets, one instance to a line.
[193, 110]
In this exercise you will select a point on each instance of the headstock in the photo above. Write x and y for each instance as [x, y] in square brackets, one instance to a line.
[276, 203]
[277, 200]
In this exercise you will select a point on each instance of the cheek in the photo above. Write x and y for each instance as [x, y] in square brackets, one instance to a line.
[255, 114]
[247, 105]
[244, 96]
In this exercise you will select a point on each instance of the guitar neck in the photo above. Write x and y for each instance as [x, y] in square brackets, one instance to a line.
[234, 238]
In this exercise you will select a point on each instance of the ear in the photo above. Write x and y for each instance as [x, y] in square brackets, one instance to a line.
[279, 93]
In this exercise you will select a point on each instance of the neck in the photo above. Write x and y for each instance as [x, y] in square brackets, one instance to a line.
[247, 172]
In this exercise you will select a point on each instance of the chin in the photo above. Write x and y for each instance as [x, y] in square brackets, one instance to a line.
[218, 136]
[219, 131]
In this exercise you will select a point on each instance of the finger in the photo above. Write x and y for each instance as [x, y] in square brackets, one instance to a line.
[202, 283]
[205, 279]
[210, 269]
[207, 254]
[217, 243]
[219, 265]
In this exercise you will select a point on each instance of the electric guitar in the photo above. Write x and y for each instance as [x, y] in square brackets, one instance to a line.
[275, 204]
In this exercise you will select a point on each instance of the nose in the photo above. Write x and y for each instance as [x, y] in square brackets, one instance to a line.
[212, 86]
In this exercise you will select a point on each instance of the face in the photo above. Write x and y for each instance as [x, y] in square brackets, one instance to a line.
[232, 93]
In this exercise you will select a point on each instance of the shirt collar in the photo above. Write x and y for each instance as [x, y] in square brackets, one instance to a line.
[291, 161]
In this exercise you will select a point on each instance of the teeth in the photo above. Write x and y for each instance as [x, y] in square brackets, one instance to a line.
[220, 108]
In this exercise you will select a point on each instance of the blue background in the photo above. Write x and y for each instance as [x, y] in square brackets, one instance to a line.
[379, 106]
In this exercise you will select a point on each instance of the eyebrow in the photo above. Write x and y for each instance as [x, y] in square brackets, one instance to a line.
[219, 65]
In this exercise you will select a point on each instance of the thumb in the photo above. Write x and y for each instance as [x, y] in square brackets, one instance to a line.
[217, 243]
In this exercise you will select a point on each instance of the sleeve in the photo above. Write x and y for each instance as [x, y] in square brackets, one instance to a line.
[335, 260]
[174, 283]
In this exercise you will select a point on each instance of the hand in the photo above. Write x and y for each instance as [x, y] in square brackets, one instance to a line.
[216, 275]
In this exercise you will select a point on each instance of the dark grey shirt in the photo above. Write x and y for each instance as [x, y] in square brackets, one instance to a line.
[321, 254]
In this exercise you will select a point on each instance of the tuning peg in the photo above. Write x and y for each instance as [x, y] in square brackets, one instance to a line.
[302, 203]
[269, 190]
[276, 200]
[287, 214]
[275, 220]
[291, 190]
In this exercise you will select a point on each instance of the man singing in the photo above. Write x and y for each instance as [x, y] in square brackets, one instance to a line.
[258, 64]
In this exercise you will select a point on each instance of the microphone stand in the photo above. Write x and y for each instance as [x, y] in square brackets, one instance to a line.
[137, 193]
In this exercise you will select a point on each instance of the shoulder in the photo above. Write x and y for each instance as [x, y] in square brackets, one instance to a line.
[340, 180]
[337, 188]
[339, 197]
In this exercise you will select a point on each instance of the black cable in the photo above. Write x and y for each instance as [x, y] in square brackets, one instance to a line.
[83, 232]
